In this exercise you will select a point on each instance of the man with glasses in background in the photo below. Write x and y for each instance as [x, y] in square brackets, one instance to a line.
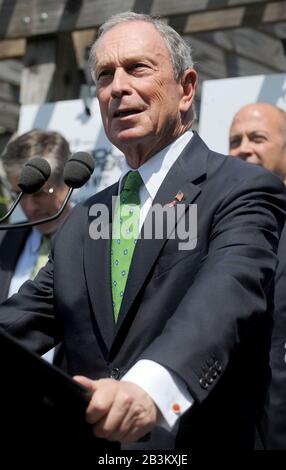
[24, 251]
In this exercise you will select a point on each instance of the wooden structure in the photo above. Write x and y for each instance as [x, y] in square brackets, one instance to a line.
[43, 43]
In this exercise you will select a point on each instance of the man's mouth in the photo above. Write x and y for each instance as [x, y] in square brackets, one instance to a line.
[126, 112]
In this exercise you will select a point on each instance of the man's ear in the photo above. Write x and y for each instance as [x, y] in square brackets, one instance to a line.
[188, 83]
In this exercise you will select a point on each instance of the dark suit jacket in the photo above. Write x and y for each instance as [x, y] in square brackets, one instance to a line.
[203, 313]
[277, 400]
[11, 245]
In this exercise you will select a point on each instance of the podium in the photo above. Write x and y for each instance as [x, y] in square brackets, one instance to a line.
[42, 409]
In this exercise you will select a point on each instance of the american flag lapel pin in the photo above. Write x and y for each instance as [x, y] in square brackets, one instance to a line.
[179, 197]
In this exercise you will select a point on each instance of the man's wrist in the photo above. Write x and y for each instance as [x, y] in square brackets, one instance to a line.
[166, 389]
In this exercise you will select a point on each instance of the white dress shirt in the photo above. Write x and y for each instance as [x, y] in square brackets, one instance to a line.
[165, 387]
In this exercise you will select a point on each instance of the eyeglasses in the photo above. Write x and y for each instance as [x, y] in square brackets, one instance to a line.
[47, 191]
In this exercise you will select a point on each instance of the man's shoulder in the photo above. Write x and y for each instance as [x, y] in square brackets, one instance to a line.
[221, 167]
[238, 169]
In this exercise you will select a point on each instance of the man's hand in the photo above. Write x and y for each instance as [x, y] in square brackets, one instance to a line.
[119, 411]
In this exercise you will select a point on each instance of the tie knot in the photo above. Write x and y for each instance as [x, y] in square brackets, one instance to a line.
[133, 182]
[130, 190]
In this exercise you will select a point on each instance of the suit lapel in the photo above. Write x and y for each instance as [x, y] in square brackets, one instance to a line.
[97, 271]
[184, 176]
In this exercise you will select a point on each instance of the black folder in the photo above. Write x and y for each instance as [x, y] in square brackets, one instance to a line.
[41, 407]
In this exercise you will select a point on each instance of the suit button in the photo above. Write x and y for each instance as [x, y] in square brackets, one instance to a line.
[209, 378]
[218, 367]
[114, 373]
[204, 383]
[213, 373]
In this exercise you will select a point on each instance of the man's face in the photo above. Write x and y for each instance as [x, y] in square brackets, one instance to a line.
[257, 135]
[139, 98]
[42, 204]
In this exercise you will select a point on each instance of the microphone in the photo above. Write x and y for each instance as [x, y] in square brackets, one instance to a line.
[78, 169]
[33, 176]
[77, 172]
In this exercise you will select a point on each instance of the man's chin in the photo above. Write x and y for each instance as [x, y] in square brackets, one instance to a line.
[126, 136]
[45, 228]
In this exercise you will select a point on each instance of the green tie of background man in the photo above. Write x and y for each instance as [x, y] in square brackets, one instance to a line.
[42, 255]
[124, 236]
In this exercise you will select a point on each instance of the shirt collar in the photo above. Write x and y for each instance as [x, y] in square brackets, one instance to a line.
[154, 170]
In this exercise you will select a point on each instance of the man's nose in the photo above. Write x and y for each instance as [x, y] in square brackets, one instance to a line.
[120, 83]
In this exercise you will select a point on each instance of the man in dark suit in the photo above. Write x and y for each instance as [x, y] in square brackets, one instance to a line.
[188, 333]
[24, 251]
[258, 135]
[19, 249]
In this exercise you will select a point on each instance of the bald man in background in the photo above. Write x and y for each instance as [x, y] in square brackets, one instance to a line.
[258, 135]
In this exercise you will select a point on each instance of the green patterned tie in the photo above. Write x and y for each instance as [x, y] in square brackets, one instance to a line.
[42, 255]
[124, 236]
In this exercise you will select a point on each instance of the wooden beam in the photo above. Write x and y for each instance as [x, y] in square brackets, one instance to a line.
[9, 115]
[5, 136]
[39, 70]
[12, 48]
[83, 40]
[250, 44]
[50, 70]
[171, 7]
[237, 17]
[10, 71]
[9, 92]
[20, 19]
[277, 30]
[16, 47]
[216, 63]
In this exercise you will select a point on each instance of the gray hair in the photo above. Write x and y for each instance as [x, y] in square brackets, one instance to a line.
[180, 52]
[50, 145]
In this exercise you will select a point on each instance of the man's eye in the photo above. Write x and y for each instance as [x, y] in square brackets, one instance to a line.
[104, 73]
[138, 66]
[259, 139]
[234, 143]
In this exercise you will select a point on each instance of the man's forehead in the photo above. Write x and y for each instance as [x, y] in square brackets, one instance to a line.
[259, 113]
[131, 37]
[253, 117]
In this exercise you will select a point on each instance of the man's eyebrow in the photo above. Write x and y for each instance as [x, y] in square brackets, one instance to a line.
[100, 65]
[127, 60]
[259, 131]
[237, 134]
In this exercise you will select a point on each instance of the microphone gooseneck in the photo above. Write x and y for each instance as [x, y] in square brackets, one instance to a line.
[77, 172]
